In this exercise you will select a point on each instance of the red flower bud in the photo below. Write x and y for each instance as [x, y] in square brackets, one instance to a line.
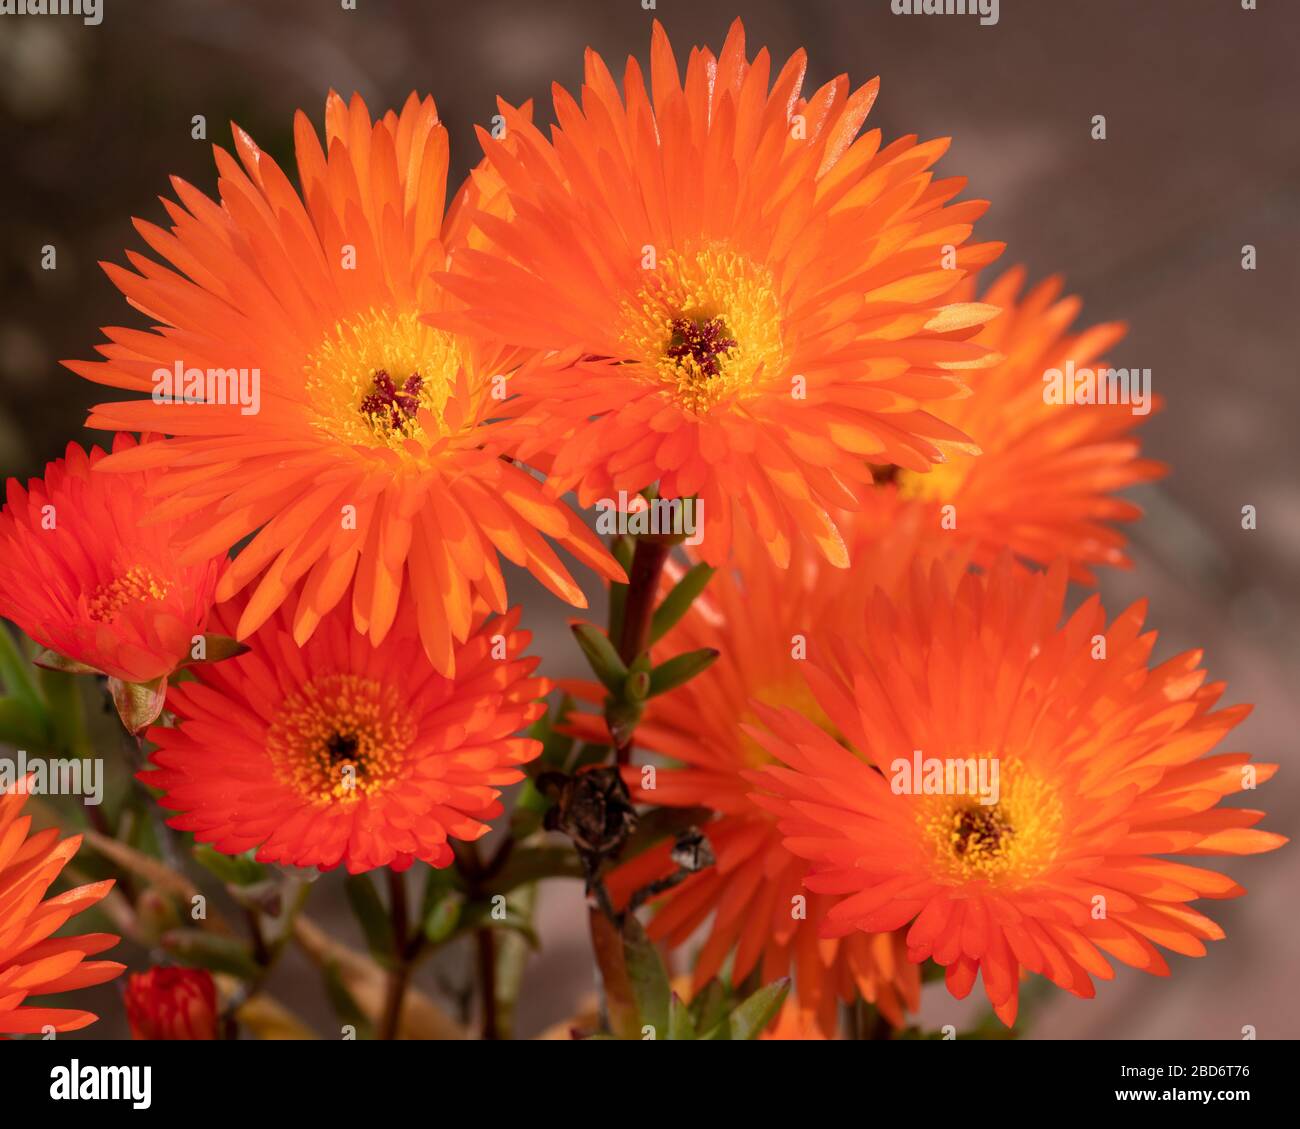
[172, 1003]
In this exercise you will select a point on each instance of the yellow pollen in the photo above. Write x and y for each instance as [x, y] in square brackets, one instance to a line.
[371, 381]
[1006, 844]
[798, 697]
[136, 584]
[339, 738]
[709, 325]
[940, 484]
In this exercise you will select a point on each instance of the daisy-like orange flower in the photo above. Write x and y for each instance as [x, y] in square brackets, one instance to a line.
[173, 1004]
[745, 300]
[340, 752]
[334, 424]
[754, 894]
[83, 573]
[33, 962]
[1045, 481]
[1052, 864]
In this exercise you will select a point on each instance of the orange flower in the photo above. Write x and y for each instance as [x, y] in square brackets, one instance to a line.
[1044, 484]
[753, 302]
[1101, 767]
[362, 460]
[794, 1025]
[83, 574]
[33, 962]
[340, 752]
[754, 894]
[172, 1003]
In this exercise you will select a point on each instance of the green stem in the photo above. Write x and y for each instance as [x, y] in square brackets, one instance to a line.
[67, 715]
[511, 957]
[648, 561]
[487, 971]
[399, 976]
[475, 874]
[266, 951]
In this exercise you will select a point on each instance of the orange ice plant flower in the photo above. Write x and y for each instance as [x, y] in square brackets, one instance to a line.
[744, 300]
[84, 573]
[361, 464]
[1103, 767]
[1045, 482]
[343, 753]
[33, 962]
[764, 621]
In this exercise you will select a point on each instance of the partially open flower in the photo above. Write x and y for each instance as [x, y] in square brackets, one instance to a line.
[172, 1003]
[1046, 483]
[83, 572]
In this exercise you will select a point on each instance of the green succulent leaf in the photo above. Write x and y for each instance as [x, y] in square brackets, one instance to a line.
[236, 870]
[681, 1024]
[604, 660]
[443, 919]
[751, 1017]
[622, 549]
[22, 725]
[681, 669]
[15, 671]
[678, 602]
[213, 951]
[649, 978]
[709, 1005]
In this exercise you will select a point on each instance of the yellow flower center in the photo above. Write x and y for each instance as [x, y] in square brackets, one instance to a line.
[941, 483]
[383, 379]
[709, 325]
[136, 584]
[339, 738]
[798, 697]
[1007, 843]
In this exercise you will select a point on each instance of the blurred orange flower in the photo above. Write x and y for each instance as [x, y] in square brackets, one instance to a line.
[172, 1003]
[33, 962]
[793, 1025]
[1100, 763]
[1044, 485]
[745, 303]
[357, 458]
[84, 573]
[340, 752]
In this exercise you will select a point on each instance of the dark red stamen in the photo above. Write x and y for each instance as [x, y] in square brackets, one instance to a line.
[400, 404]
[703, 341]
[981, 828]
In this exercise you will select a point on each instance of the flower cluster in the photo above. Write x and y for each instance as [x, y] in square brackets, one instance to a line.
[710, 291]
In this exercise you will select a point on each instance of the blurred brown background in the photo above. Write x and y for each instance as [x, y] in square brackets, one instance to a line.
[1202, 156]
